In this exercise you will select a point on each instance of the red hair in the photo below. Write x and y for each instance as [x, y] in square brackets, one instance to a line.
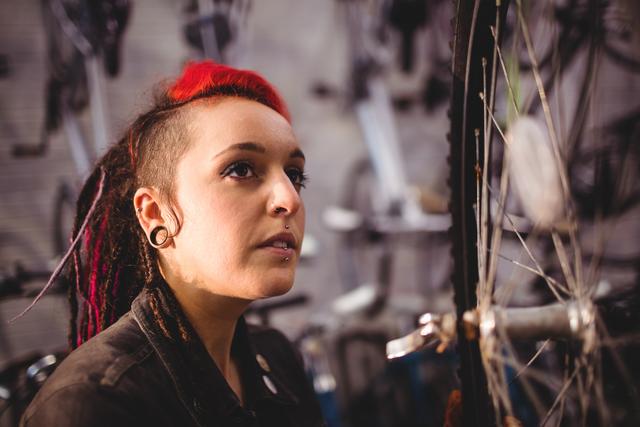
[206, 79]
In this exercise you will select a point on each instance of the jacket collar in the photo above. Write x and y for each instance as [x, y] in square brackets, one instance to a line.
[199, 383]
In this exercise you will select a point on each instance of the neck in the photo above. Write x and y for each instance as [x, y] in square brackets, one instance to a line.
[214, 319]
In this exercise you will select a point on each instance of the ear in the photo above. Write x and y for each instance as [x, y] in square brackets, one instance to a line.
[146, 203]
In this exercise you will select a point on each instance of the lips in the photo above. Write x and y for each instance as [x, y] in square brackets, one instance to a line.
[283, 241]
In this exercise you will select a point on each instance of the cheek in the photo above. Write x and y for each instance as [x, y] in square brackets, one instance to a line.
[216, 228]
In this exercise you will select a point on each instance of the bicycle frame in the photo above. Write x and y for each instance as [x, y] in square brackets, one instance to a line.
[81, 154]
[397, 206]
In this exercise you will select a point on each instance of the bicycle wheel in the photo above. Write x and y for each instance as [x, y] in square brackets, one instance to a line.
[544, 190]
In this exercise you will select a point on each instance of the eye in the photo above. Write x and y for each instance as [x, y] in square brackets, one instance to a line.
[240, 170]
[297, 177]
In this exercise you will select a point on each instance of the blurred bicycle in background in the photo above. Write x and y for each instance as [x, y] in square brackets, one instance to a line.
[217, 29]
[83, 40]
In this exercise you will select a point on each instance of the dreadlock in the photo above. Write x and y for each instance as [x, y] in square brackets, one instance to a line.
[114, 260]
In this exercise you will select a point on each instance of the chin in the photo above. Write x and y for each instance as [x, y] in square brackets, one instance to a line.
[275, 286]
[277, 289]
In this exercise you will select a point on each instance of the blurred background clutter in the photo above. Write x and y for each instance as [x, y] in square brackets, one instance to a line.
[369, 85]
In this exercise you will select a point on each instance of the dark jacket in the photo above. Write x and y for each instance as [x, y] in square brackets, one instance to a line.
[133, 375]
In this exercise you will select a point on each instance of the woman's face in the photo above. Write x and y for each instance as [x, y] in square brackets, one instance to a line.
[237, 191]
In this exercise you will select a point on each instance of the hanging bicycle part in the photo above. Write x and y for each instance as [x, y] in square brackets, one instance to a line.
[217, 28]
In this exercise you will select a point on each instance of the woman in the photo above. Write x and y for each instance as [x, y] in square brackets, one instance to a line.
[192, 215]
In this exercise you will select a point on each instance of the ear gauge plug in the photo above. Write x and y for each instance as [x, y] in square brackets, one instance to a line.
[159, 237]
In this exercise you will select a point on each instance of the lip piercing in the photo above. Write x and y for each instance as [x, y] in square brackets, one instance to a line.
[285, 259]
[287, 227]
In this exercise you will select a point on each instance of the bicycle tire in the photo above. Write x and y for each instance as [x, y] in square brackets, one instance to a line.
[469, 19]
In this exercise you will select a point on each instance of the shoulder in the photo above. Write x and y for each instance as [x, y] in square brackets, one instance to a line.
[104, 358]
[78, 404]
[94, 378]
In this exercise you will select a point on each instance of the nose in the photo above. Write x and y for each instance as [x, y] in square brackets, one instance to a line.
[284, 199]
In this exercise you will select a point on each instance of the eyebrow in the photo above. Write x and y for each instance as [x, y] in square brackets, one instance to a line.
[243, 146]
[257, 148]
[297, 153]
